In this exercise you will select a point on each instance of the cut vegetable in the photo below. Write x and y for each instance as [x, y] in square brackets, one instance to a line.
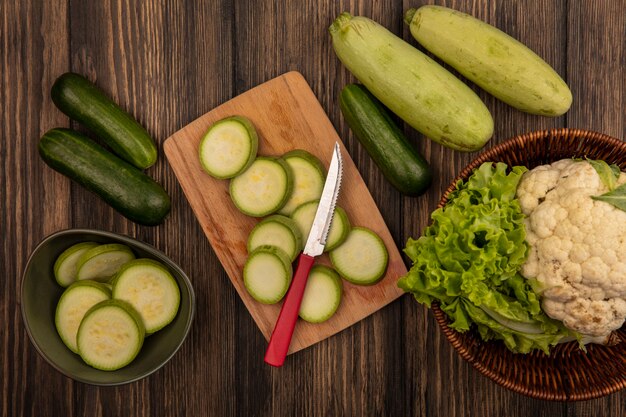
[322, 295]
[308, 179]
[263, 188]
[411, 84]
[110, 336]
[152, 291]
[279, 231]
[305, 214]
[65, 267]
[125, 188]
[267, 274]
[362, 258]
[84, 102]
[103, 261]
[74, 303]
[499, 64]
[229, 147]
[403, 167]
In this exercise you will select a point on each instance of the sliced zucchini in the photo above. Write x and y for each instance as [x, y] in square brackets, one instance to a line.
[75, 301]
[308, 179]
[263, 188]
[304, 215]
[110, 336]
[66, 264]
[362, 258]
[152, 291]
[267, 274]
[103, 261]
[279, 231]
[322, 295]
[228, 147]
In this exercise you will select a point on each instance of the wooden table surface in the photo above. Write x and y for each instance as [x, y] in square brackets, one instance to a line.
[170, 63]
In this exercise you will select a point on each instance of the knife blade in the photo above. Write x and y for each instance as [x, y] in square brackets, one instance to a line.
[283, 330]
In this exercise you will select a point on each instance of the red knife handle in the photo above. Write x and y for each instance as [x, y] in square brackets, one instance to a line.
[283, 330]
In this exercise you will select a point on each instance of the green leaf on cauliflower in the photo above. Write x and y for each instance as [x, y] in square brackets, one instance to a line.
[607, 173]
[617, 197]
[468, 261]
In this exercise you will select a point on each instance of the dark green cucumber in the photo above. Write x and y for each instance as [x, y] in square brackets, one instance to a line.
[403, 167]
[84, 102]
[127, 189]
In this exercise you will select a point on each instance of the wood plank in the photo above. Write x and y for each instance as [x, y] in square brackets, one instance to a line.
[34, 199]
[166, 63]
[287, 116]
[596, 61]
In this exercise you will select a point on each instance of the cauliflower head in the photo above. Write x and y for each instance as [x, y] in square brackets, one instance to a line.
[577, 256]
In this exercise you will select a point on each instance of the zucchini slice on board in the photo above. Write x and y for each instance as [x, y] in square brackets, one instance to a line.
[267, 274]
[110, 335]
[228, 147]
[263, 188]
[279, 231]
[75, 301]
[103, 261]
[84, 102]
[151, 289]
[308, 179]
[362, 258]
[66, 265]
[322, 295]
[305, 214]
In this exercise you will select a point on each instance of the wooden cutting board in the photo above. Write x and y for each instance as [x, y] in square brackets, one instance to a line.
[287, 116]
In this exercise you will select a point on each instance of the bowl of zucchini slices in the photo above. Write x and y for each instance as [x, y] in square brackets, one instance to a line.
[104, 309]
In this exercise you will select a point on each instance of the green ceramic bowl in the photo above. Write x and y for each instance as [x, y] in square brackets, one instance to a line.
[40, 294]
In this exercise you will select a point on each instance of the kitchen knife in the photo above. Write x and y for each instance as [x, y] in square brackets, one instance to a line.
[283, 330]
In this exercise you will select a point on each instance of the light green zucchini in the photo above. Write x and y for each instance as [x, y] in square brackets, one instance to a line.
[362, 259]
[322, 295]
[279, 231]
[267, 274]
[66, 265]
[74, 303]
[151, 289]
[304, 215]
[308, 179]
[499, 64]
[110, 335]
[228, 147]
[263, 188]
[412, 85]
[102, 262]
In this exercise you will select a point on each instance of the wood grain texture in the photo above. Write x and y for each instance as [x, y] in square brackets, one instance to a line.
[287, 116]
[28, 208]
[171, 62]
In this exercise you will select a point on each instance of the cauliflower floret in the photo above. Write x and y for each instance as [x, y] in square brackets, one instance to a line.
[535, 186]
[577, 246]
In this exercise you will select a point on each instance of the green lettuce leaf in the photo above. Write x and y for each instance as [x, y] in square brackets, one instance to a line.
[468, 260]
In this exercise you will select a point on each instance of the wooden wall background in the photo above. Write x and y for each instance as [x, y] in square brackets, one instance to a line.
[169, 62]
